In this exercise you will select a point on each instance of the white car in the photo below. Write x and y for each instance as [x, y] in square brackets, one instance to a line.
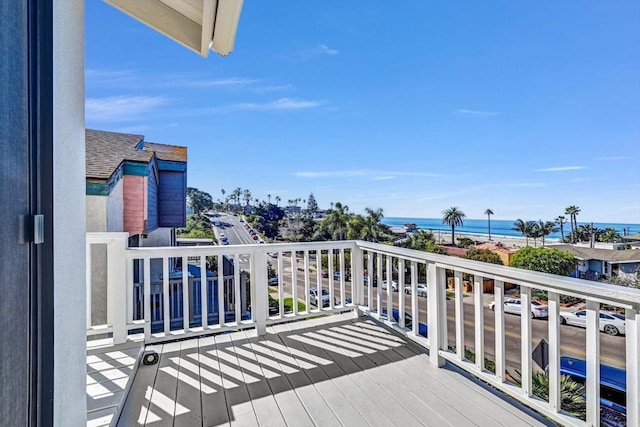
[394, 285]
[514, 306]
[421, 290]
[610, 323]
[313, 297]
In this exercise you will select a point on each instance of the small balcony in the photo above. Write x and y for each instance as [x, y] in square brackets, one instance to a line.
[293, 334]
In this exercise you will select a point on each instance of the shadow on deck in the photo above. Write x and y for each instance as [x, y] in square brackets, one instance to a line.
[335, 370]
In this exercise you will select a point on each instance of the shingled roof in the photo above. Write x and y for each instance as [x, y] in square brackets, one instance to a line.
[105, 151]
[611, 255]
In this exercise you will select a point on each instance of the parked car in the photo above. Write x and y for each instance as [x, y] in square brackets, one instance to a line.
[610, 323]
[325, 274]
[421, 290]
[273, 281]
[255, 237]
[336, 276]
[514, 306]
[313, 297]
[365, 280]
[408, 320]
[394, 285]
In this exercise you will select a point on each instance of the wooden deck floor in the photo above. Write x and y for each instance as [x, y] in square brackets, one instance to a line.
[109, 370]
[338, 370]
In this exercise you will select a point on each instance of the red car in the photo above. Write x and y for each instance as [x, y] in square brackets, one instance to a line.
[255, 237]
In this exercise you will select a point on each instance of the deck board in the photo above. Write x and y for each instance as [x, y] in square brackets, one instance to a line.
[336, 370]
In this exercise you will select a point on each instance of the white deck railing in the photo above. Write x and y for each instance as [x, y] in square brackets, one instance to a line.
[300, 267]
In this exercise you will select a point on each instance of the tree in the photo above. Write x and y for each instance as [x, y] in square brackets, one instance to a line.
[524, 227]
[247, 197]
[560, 220]
[199, 201]
[312, 206]
[609, 235]
[484, 255]
[546, 260]
[453, 217]
[545, 228]
[573, 212]
[488, 213]
[334, 225]
[373, 230]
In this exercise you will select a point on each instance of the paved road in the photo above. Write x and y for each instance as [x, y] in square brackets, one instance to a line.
[572, 339]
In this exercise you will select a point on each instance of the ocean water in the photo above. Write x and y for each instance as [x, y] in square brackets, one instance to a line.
[498, 227]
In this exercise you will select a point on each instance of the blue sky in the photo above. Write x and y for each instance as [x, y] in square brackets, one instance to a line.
[519, 106]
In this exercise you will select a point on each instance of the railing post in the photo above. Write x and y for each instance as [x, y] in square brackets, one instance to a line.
[259, 289]
[436, 293]
[554, 348]
[632, 317]
[478, 303]
[593, 363]
[117, 287]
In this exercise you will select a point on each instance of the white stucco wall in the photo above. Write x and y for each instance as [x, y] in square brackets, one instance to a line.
[158, 237]
[69, 220]
[97, 213]
[115, 208]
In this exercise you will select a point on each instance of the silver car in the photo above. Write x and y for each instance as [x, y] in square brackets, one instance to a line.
[610, 323]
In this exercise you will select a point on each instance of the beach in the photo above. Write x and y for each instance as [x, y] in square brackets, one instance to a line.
[444, 238]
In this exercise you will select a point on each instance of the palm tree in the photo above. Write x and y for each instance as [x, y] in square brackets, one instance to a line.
[335, 223]
[488, 213]
[269, 198]
[573, 212]
[453, 217]
[247, 196]
[545, 228]
[278, 200]
[524, 227]
[372, 229]
[560, 220]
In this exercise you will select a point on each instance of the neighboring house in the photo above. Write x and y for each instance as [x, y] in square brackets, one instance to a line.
[597, 262]
[505, 254]
[135, 186]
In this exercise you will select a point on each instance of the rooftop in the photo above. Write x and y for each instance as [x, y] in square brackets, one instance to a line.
[615, 256]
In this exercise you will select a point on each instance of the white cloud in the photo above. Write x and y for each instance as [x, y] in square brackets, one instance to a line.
[477, 113]
[330, 174]
[217, 83]
[101, 78]
[282, 104]
[612, 158]
[561, 169]
[375, 175]
[274, 88]
[121, 108]
[323, 48]
[516, 185]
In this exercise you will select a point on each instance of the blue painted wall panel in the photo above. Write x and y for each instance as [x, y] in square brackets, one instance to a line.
[172, 199]
[152, 202]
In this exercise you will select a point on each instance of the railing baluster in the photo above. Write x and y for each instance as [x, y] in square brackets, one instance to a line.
[185, 294]
[498, 286]
[342, 278]
[281, 284]
[379, 279]
[166, 314]
[204, 292]
[307, 280]
[632, 340]
[592, 384]
[478, 302]
[331, 285]
[147, 298]
[415, 314]
[260, 307]
[459, 313]
[221, 310]
[435, 316]
[294, 282]
[554, 347]
[318, 278]
[130, 290]
[371, 276]
[237, 294]
[389, 273]
[401, 292]
[89, 284]
[525, 337]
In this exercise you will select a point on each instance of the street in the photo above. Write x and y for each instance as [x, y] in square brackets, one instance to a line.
[572, 339]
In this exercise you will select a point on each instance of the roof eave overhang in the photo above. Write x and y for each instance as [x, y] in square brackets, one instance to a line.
[199, 25]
